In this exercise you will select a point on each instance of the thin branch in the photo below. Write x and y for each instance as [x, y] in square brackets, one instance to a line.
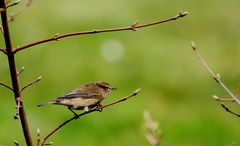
[216, 77]
[16, 143]
[133, 27]
[6, 86]
[14, 15]
[238, 88]
[215, 97]
[31, 83]
[20, 71]
[14, 3]
[87, 112]
[230, 111]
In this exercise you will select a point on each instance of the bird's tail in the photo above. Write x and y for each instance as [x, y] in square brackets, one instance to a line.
[48, 102]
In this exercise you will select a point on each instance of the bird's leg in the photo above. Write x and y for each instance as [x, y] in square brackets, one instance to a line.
[75, 114]
[99, 106]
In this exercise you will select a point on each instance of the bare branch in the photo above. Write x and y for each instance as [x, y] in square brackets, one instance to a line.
[20, 71]
[133, 27]
[215, 97]
[31, 83]
[16, 143]
[8, 87]
[230, 111]
[14, 3]
[13, 73]
[216, 77]
[87, 112]
[14, 15]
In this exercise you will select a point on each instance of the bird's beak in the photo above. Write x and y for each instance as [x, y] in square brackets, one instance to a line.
[114, 88]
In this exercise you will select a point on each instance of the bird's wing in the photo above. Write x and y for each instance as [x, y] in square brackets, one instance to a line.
[75, 94]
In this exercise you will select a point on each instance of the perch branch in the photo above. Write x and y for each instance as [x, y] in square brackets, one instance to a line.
[13, 73]
[31, 83]
[87, 112]
[216, 77]
[133, 27]
[230, 111]
[8, 87]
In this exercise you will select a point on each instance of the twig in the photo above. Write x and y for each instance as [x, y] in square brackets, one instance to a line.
[132, 27]
[14, 3]
[20, 71]
[216, 77]
[38, 137]
[31, 83]
[13, 15]
[8, 87]
[16, 143]
[223, 99]
[87, 112]
[230, 111]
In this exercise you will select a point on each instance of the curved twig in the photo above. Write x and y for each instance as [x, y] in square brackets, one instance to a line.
[31, 83]
[229, 110]
[216, 77]
[87, 112]
[133, 27]
[8, 87]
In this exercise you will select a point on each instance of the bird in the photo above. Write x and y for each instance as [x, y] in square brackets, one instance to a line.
[85, 97]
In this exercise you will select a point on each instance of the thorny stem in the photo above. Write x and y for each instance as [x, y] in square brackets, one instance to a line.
[88, 112]
[132, 27]
[216, 77]
[13, 72]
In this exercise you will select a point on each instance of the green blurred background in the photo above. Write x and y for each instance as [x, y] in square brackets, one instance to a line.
[175, 87]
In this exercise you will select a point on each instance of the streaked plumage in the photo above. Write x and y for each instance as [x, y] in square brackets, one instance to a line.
[84, 97]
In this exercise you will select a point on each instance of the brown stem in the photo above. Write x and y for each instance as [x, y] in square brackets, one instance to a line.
[87, 112]
[13, 73]
[132, 27]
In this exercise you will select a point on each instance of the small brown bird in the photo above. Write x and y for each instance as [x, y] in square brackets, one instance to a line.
[84, 97]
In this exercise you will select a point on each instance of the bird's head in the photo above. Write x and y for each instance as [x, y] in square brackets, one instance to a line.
[105, 86]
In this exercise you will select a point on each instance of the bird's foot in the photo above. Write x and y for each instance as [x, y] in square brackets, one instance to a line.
[99, 107]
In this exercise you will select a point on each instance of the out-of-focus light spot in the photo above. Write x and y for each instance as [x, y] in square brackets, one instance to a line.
[112, 51]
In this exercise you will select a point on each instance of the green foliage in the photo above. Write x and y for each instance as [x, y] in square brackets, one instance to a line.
[175, 87]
